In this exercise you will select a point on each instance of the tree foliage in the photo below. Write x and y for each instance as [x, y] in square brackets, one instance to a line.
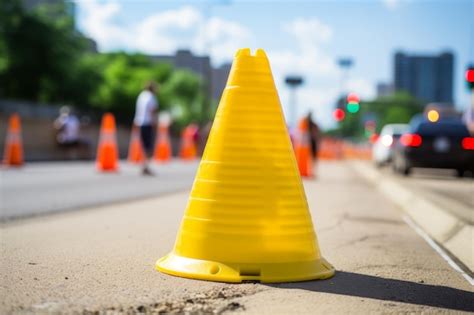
[38, 53]
[45, 59]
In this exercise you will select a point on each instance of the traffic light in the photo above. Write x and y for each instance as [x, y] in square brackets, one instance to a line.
[353, 103]
[352, 97]
[353, 107]
[470, 77]
[338, 114]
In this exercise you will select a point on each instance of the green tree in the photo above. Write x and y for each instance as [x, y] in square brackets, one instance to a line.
[43, 58]
[123, 76]
[38, 53]
[182, 95]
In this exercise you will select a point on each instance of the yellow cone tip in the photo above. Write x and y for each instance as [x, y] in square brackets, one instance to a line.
[246, 52]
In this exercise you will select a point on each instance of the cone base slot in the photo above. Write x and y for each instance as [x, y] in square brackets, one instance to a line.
[234, 272]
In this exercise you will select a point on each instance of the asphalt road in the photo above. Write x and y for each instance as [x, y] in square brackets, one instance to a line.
[102, 260]
[454, 194]
[46, 187]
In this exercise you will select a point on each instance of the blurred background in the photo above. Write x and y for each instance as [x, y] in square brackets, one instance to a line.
[95, 56]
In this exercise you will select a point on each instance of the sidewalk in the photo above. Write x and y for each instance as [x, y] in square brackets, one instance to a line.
[447, 221]
[103, 260]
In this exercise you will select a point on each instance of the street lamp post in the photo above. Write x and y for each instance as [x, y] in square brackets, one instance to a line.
[293, 82]
[345, 64]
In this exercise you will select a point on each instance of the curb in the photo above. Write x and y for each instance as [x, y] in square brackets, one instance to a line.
[451, 232]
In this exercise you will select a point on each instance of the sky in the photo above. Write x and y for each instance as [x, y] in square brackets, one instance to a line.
[301, 37]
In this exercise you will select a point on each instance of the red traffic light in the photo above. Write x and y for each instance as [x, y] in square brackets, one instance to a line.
[338, 114]
[352, 98]
[470, 75]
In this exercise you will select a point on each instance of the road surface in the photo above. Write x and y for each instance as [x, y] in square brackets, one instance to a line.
[102, 260]
[47, 187]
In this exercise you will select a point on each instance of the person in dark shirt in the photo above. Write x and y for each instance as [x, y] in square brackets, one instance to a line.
[314, 135]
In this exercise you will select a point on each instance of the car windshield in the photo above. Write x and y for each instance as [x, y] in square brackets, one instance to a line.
[395, 130]
[442, 128]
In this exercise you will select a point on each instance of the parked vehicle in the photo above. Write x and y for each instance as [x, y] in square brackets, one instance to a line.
[383, 146]
[445, 143]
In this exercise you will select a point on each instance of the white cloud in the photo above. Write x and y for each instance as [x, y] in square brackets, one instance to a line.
[154, 33]
[221, 38]
[164, 32]
[362, 87]
[310, 58]
[100, 26]
[394, 4]
[309, 30]
[391, 4]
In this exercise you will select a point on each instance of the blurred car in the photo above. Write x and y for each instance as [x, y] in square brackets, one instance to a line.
[383, 146]
[445, 143]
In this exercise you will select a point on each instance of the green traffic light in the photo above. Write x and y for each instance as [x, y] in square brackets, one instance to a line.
[353, 107]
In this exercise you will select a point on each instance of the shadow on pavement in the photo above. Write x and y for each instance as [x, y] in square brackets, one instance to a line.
[354, 284]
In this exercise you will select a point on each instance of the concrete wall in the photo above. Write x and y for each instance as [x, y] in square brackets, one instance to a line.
[38, 134]
[39, 141]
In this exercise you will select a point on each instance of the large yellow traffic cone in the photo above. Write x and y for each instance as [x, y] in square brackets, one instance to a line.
[247, 217]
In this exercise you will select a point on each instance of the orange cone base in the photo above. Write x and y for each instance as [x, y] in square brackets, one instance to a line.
[107, 169]
[306, 172]
[9, 164]
[237, 272]
[107, 162]
[14, 158]
[163, 154]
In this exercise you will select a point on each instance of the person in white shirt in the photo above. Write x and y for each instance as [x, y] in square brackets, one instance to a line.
[145, 120]
[68, 134]
[68, 126]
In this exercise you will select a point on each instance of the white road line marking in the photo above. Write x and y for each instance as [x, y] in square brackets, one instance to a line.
[438, 249]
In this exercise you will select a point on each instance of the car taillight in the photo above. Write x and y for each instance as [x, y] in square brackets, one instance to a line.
[468, 143]
[373, 138]
[411, 140]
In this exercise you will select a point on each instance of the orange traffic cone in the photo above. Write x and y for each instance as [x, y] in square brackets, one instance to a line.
[135, 149]
[188, 147]
[13, 154]
[107, 152]
[303, 150]
[163, 145]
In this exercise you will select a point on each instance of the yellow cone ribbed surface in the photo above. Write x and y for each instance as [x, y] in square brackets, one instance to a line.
[247, 217]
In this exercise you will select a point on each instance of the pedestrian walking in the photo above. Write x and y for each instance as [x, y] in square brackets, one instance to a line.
[146, 116]
[314, 135]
